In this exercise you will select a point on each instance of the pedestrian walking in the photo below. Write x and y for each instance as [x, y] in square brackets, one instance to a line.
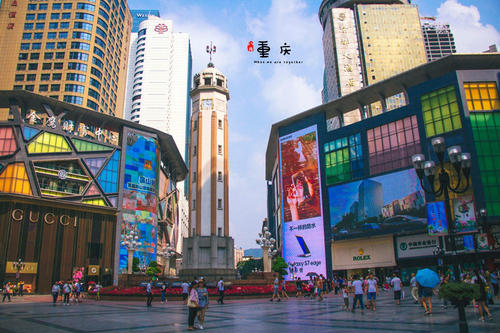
[221, 288]
[185, 291]
[192, 304]
[357, 286]
[396, 285]
[202, 302]
[445, 281]
[55, 292]
[414, 288]
[21, 288]
[427, 293]
[320, 288]
[98, 291]
[494, 283]
[345, 295]
[282, 288]
[299, 287]
[481, 301]
[163, 292]
[78, 288]
[149, 292]
[371, 284]
[6, 291]
[67, 292]
[276, 293]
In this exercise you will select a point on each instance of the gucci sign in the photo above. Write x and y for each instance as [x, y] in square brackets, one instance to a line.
[49, 218]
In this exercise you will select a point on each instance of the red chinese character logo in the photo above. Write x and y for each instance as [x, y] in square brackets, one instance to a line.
[12, 14]
[14, 3]
[10, 26]
[161, 28]
[250, 46]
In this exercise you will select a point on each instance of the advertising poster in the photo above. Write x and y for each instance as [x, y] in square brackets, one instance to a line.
[468, 243]
[465, 215]
[384, 204]
[436, 219]
[482, 242]
[303, 233]
[139, 209]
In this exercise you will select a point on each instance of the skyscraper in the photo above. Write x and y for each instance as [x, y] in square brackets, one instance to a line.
[438, 39]
[159, 82]
[76, 51]
[368, 41]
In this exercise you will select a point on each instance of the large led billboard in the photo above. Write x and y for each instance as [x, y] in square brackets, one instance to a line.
[390, 203]
[139, 208]
[303, 229]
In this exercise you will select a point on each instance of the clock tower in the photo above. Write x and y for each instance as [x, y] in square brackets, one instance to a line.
[209, 250]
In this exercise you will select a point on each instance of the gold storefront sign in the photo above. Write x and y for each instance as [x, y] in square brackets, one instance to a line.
[18, 215]
[93, 270]
[28, 268]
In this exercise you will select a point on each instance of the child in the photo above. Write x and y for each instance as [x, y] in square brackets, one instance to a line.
[345, 294]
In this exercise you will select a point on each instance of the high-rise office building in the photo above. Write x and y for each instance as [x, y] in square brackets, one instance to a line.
[73, 50]
[140, 15]
[368, 41]
[438, 39]
[159, 82]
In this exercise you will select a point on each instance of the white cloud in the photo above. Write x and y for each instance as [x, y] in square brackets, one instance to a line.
[202, 30]
[287, 94]
[471, 35]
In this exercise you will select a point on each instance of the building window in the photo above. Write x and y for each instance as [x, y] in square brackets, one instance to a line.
[220, 123]
[36, 46]
[27, 35]
[41, 16]
[219, 82]
[31, 77]
[391, 146]
[485, 130]
[28, 26]
[43, 6]
[60, 55]
[48, 55]
[47, 65]
[43, 87]
[25, 46]
[63, 35]
[93, 105]
[45, 77]
[440, 110]
[23, 56]
[68, 5]
[15, 179]
[29, 87]
[55, 16]
[33, 67]
[75, 77]
[85, 6]
[343, 159]
[57, 87]
[61, 45]
[208, 81]
[194, 176]
[56, 76]
[219, 149]
[79, 56]
[50, 46]
[195, 125]
[219, 203]
[194, 203]
[482, 96]
[77, 66]
[18, 87]
[21, 67]
[65, 25]
[74, 88]
[58, 65]
[194, 147]
[73, 99]
[219, 176]
[39, 26]
[32, 6]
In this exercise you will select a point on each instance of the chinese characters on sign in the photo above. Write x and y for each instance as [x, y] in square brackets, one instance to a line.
[347, 53]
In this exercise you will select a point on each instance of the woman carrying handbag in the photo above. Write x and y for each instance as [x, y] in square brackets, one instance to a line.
[193, 304]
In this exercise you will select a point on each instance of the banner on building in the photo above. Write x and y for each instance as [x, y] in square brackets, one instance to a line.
[416, 246]
[482, 242]
[465, 215]
[437, 224]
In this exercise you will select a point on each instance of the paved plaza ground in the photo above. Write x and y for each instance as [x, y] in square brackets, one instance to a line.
[35, 314]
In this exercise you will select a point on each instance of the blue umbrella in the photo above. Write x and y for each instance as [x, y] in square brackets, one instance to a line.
[427, 278]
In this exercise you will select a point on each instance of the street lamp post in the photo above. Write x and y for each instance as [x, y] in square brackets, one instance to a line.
[267, 243]
[462, 164]
[166, 253]
[18, 266]
[131, 242]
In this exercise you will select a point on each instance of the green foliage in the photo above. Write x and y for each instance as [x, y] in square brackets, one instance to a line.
[135, 265]
[246, 267]
[153, 269]
[459, 292]
[279, 266]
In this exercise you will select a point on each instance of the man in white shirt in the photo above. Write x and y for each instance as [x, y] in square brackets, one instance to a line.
[396, 284]
[372, 292]
[220, 288]
[357, 286]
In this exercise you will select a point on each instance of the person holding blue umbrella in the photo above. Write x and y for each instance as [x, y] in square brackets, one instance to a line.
[427, 279]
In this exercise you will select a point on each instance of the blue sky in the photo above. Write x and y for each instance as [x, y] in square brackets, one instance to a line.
[262, 94]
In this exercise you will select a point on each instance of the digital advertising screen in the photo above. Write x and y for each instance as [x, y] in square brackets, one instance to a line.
[384, 204]
[139, 208]
[465, 215]
[437, 225]
[303, 228]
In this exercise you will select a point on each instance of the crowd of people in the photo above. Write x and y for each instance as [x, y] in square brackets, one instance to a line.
[10, 289]
[73, 291]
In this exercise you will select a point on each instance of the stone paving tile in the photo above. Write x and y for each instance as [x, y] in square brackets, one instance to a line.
[249, 315]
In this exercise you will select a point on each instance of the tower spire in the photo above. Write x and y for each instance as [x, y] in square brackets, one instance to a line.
[211, 49]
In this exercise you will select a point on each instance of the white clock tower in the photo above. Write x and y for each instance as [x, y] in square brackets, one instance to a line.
[209, 250]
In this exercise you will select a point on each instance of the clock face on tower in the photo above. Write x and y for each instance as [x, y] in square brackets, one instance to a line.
[207, 104]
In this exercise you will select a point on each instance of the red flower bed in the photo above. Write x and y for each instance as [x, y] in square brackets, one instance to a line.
[233, 290]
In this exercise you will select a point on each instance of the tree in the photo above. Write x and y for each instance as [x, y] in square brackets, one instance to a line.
[153, 269]
[248, 266]
[279, 266]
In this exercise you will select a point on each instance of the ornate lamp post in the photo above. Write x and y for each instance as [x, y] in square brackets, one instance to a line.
[462, 164]
[18, 266]
[166, 253]
[439, 253]
[267, 243]
[130, 241]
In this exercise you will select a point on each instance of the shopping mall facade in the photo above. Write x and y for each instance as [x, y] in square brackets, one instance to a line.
[343, 196]
[72, 181]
